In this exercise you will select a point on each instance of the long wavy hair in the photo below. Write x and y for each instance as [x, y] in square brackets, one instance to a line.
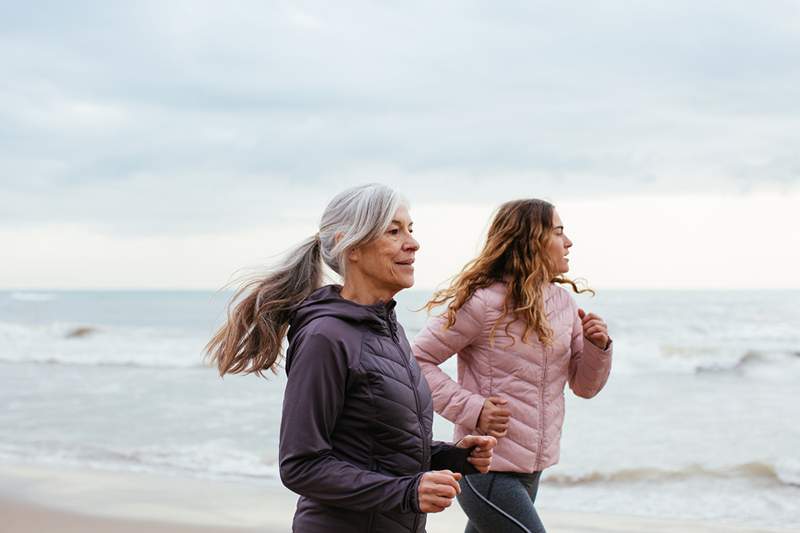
[251, 340]
[514, 253]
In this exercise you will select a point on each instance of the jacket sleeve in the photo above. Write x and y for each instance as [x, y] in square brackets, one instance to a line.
[314, 398]
[434, 345]
[446, 456]
[589, 366]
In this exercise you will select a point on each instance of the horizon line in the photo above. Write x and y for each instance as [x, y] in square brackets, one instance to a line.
[207, 289]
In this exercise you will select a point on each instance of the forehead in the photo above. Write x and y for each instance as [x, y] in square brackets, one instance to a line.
[556, 219]
[402, 215]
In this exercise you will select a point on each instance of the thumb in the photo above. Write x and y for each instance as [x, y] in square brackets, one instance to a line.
[485, 441]
[581, 313]
[497, 400]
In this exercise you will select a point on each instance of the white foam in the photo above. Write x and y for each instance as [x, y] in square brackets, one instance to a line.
[754, 471]
[32, 296]
[788, 471]
[221, 458]
[99, 346]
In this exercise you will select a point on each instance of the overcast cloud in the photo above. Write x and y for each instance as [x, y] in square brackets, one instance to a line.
[181, 117]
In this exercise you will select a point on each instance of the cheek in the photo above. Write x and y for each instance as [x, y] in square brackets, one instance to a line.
[387, 262]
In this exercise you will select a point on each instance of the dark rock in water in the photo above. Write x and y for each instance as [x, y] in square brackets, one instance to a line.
[83, 331]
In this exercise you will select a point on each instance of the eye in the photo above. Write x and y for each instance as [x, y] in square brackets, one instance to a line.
[394, 231]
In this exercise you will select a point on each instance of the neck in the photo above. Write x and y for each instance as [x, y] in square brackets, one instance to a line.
[363, 291]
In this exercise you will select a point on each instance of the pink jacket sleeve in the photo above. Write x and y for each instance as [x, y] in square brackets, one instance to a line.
[589, 366]
[434, 345]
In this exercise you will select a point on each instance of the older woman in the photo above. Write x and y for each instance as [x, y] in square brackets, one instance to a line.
[355, 437]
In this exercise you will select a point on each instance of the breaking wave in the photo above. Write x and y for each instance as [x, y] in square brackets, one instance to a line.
[784, 472]
[751, 359]
[217, 459]
[88, 345]
[32, 296]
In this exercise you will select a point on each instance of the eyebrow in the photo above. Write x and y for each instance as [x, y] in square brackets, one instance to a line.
[399, 223]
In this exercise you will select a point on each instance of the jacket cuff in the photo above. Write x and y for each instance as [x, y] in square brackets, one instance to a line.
[597, 359]
[451, 457]
[411, 499]
[472, 412]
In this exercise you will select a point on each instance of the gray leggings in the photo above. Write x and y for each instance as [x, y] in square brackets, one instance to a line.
[501, 502]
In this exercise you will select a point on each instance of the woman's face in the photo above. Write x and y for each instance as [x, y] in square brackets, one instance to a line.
[387, 262]
[557, 247]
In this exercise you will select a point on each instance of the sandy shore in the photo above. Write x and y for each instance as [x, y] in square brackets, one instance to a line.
[42, 500]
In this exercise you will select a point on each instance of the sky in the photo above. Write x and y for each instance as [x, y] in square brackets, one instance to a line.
[172, 144]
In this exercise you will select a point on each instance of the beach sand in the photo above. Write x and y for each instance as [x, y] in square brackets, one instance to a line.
[37, 499]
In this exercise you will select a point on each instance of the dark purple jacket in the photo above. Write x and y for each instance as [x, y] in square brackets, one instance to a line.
[357, 419]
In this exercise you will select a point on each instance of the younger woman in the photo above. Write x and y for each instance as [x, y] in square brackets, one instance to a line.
[520, 338]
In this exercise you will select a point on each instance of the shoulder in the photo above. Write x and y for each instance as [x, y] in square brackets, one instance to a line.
[492, 297]
[327, 338]
[330, 327]
[484, 303]
[559, 295]
[560, 306]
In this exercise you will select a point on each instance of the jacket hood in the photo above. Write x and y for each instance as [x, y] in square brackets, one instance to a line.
[327, 301]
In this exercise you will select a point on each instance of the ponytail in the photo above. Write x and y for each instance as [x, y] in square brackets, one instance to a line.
[258, 315]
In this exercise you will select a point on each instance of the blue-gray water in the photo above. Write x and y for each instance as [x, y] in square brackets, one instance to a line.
[699, 419]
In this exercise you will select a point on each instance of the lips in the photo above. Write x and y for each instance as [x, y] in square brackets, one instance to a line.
[407, 262]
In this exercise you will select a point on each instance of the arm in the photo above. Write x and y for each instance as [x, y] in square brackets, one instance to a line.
[589, 366]
[313, 401]
[434, 345]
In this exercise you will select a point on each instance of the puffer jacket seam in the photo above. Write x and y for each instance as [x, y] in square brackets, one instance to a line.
[409, 387]
[485, 329]
[386, 425]
[374, 416]
[398, 363]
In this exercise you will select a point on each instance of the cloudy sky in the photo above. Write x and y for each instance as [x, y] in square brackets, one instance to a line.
[168, 144]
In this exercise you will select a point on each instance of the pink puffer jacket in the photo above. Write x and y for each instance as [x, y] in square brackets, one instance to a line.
[530, 376]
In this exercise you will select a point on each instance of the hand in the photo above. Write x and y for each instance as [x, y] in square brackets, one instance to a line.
[594, 329]
[437, 489]
[481, 455]
[494, 417]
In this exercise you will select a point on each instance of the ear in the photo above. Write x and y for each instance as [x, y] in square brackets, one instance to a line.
[354, 255]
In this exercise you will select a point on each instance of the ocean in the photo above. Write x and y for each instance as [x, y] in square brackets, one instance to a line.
[699, 420]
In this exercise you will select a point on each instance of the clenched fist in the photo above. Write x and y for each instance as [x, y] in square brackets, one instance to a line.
[437, 489]
[482, 450]
[594, 329]
[494, 417]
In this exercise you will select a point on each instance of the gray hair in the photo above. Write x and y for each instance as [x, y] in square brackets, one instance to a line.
[356, 216]
[251, 339]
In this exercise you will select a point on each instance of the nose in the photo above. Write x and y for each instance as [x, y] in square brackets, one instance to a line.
[567, 242]
[411, 244]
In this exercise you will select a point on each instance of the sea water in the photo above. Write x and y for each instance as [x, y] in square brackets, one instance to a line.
[700, 417]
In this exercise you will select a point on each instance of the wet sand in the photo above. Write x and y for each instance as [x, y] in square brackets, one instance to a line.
[41, 500]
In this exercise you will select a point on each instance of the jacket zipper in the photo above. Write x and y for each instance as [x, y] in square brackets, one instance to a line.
[541, 410]
[425, 450]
